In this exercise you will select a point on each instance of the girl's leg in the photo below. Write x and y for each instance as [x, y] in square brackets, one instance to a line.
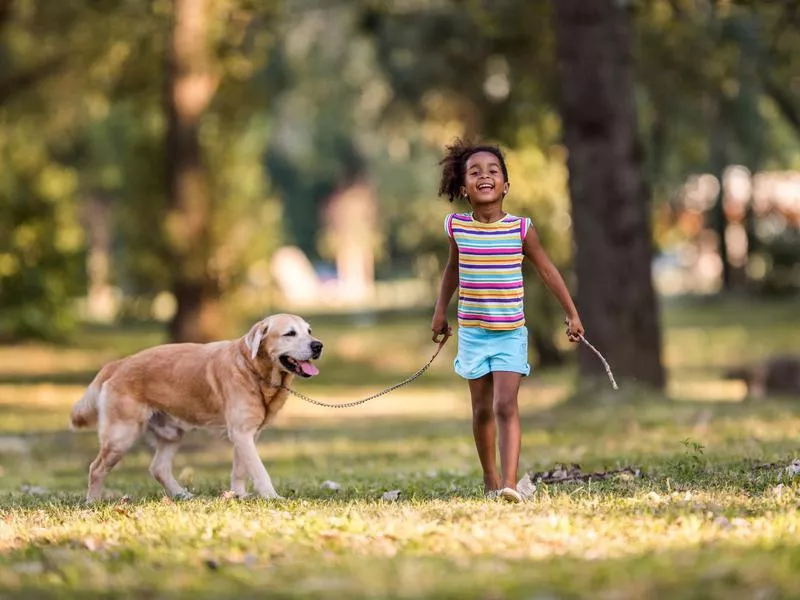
[506, 411]
[483, 429]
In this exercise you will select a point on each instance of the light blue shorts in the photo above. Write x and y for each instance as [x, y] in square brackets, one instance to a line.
[481, 351]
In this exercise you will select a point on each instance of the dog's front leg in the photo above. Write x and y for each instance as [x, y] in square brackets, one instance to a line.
[238, 475]
[244, 448]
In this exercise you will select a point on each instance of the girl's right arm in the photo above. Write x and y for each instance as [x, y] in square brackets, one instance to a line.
[439, 324]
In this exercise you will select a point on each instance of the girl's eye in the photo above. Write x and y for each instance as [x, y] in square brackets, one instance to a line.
[291, 333]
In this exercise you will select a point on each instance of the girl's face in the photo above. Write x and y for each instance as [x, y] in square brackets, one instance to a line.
[483, 179]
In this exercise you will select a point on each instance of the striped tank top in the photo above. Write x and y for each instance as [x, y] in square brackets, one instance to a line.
[489, 270]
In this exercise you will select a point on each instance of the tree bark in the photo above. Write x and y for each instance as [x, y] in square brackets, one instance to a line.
[610, 198]
[190, 86]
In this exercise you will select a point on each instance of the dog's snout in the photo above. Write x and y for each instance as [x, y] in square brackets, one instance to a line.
[316, 348]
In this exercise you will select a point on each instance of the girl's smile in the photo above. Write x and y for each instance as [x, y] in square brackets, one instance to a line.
[484, 180]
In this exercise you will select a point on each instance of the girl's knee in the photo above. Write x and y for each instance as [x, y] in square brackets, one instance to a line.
[505, 407]
[482, 412]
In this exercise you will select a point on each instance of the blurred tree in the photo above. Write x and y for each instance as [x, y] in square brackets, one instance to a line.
[314, 149]
[216, 226]
[191, 81]
[736, 104]
[50, 87]
[610, 198]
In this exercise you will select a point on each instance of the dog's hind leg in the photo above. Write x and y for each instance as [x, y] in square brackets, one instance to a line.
[115, 440]
[161, 467]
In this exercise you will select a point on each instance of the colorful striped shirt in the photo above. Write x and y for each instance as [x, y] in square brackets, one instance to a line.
[489, 270]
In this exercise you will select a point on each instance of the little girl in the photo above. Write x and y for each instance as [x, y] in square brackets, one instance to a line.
[485, 263]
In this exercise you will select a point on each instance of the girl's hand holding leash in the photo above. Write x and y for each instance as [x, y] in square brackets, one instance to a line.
[440, 327]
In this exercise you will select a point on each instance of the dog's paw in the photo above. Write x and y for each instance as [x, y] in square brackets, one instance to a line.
[272, 496]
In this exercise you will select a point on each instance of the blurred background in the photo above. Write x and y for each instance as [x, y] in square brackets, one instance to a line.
[174, 170]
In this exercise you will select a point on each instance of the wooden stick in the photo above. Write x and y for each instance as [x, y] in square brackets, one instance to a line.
[603, 360]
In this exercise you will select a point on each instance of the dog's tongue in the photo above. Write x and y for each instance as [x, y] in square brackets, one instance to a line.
[307, 368]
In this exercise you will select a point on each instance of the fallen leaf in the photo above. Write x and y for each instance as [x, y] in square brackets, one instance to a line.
[562, 474]
[723, 523]
[738, 522]
[526, 487]
[391, 496]
[330, 485]
[33, 490]
[328, 534]
[92, 544]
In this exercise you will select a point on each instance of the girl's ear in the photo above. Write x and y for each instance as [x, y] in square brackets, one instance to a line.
[505, 188]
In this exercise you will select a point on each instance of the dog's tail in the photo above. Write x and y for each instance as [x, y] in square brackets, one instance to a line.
[84, 413]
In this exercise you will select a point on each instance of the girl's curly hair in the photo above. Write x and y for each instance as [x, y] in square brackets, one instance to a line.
[454, 165]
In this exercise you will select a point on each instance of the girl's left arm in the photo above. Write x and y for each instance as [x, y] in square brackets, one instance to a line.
[532, 248]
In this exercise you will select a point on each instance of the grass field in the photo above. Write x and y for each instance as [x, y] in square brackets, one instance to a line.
[705, 520]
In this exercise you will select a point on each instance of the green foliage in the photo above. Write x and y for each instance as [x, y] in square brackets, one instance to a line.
[41, 266]
[314, 95]
[726, 65]
[63, 63]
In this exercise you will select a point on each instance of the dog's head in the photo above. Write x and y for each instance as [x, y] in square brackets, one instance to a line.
[287, 341]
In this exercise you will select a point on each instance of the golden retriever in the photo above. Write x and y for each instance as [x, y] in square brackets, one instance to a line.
[170, 389]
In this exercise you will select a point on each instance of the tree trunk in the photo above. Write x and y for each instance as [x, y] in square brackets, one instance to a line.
[190, 86]
[718, 161]
[610, 199]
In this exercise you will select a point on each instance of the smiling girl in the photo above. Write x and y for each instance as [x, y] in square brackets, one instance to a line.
[487, 246]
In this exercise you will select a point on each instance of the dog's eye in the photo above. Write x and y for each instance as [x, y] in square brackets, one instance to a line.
[291, 333]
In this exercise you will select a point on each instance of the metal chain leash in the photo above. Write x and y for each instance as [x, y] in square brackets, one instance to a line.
[368, 398]
[416, 375]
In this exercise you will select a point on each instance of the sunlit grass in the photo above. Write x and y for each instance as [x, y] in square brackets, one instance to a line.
[705, 520]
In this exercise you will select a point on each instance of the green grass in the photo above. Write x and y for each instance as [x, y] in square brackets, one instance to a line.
[703, 522]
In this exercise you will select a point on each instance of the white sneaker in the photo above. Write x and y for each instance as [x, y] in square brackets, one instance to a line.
[510, 495]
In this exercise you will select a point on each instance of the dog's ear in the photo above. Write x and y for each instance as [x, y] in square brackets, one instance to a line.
[255, 335]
